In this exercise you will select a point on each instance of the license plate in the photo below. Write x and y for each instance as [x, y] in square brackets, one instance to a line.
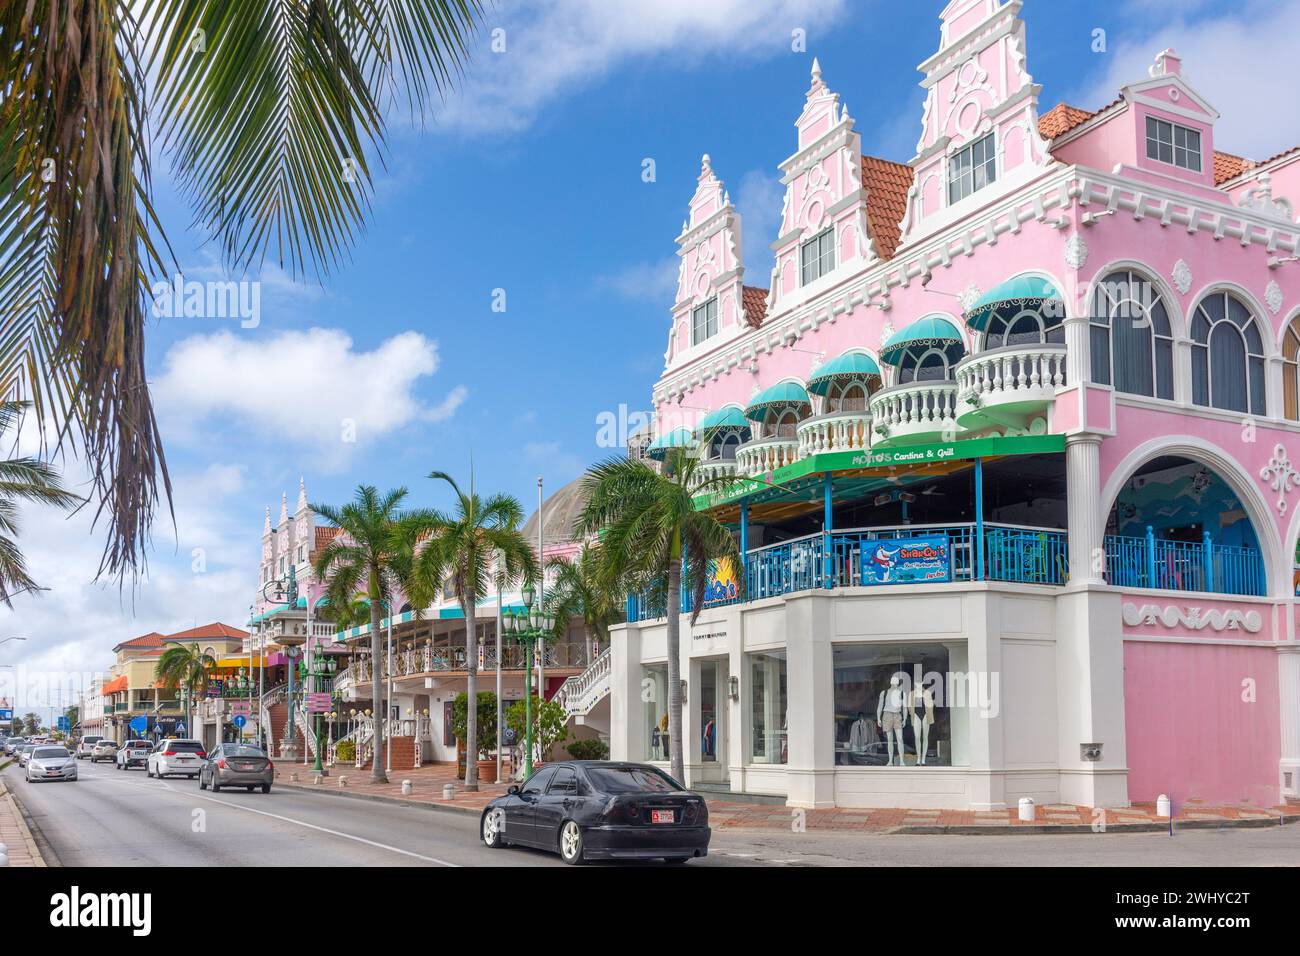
[244, 766]
[662, 816]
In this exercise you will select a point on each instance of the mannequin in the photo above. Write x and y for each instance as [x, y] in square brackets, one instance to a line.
[889, 714]
[920, 705]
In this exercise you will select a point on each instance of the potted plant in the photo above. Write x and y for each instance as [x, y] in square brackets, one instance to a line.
[485, 730]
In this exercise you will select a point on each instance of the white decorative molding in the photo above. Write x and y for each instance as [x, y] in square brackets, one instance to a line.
[1280, 475]
[886, 332]
[1193, 618]
[1182, 276]
[969, 296]
[1273, 297]
[1261, 199]
[1076, 252]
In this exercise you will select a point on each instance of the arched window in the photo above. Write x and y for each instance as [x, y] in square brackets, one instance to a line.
[849, 397]
[1028, 327]
[923, 364]
[1291, 370]
[724, 445]
[785, 424]
[1131, 342]
[1227, 356]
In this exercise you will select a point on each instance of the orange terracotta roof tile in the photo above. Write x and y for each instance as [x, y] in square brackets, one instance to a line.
[887, 185]
[115, 686]
[152, 639]
[215, 629]
[324, 536]
[755, 303]
[1228, 166]
[1060, 119]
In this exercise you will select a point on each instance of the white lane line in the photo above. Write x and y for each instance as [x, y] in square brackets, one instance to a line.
[301, 823]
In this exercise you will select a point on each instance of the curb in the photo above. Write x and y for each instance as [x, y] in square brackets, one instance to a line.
[21, 819]
[379, 798]
[1048, 829]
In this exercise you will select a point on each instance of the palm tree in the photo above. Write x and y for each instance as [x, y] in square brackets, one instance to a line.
[22, 479]
[367, 557]
[578, 590]
[270, 115]
[185, 667]
[651, 533]
[463, 546]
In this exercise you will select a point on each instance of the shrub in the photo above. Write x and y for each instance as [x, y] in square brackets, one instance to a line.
[549, 721]
[593, 749]
[346, 751]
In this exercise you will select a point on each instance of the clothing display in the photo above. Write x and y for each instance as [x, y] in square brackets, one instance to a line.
[891, 721]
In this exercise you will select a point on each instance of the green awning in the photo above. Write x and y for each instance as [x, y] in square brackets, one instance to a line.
[780, 395]
[1022, 292]
[849, 367]
[677, 438]
[933, 331]
[730, 416]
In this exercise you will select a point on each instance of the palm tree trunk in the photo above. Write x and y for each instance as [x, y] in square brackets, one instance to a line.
[471, 694]
[676, 767]
[377, 774]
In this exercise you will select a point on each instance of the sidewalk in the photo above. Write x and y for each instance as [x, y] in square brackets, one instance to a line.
[15, 835]
[427, 783]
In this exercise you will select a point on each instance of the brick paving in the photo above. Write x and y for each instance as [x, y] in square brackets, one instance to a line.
[427, 783]
[21, 848]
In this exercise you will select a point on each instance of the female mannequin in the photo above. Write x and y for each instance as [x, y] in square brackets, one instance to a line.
[920, 704]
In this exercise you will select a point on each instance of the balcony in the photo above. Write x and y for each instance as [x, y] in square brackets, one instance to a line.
[917, 411]
[1009, 386]
[1151, 562]
[766, 454]
[837, 431]
[709, 470]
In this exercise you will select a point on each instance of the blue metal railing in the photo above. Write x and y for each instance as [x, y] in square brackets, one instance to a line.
[1151, 562]
[1010, 553]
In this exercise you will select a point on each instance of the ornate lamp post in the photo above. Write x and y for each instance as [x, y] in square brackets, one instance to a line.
[322, 668]
[526, 628]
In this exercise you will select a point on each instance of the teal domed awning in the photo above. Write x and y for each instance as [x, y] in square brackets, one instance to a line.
[677, 438]
[780, 395]
[933, 331]
[730, 416]
[849, 367]
[1022, 292]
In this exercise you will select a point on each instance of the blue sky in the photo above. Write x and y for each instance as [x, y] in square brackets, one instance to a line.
[530, 180]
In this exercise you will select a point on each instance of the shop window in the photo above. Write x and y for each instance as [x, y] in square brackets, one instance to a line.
[1130, 339]
[768, 729]
[892, 705]
[654, 688]
[1227, 356]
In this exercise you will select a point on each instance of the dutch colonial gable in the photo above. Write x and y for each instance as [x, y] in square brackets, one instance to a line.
[824, 222]
[980, 136]
[710, 306]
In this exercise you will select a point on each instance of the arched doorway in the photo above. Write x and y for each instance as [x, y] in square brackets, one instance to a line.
[1176, 524]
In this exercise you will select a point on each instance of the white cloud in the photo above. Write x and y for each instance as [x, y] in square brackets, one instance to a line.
[557, 47]
[655, 282]
[560, 465]
[310, 389]
[1232, 60]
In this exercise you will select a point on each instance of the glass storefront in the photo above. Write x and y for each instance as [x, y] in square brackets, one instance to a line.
[709, 715]
[654, 692]
[891, 707]
[767, 688]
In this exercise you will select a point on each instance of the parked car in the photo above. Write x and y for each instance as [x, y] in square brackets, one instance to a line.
[133, 753]
[600, 810]
[237, 765]
[174, 756]
[104, 749]
[13, 743]
[51, 763]
[24, 752]
[87, 745]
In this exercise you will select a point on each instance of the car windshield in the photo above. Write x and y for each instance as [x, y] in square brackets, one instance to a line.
[236, 751]
[184, 746]
[630, 780]
[49, 753]
[138, 744]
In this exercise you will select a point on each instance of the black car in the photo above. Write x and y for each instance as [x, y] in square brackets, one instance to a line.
[600, 810]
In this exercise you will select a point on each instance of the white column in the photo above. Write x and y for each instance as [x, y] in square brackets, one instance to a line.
[810, 686]
[1288, 675]
[1083, 514]
[987, 785]
[1078, 364]
[627, 735]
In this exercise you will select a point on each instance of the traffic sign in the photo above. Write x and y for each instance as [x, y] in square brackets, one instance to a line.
[239, 721]
[6, 714]
[63, 724]
[318, 703]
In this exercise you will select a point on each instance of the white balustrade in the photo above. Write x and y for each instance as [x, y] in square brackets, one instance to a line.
[580, 693]
[710, 470]
[837, 431]
[1003, 385]
[915, 410]
[766, 454]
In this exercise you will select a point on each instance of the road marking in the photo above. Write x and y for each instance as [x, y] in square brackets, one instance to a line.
[281, 817]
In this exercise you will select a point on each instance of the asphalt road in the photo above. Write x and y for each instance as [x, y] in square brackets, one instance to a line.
[122, 818]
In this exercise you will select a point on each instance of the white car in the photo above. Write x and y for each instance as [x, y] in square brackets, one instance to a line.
[51, 763]
[176, 757]
[87, 745]
[104, 749]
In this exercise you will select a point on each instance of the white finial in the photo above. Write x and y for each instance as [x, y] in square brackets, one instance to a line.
[302, 494]
[726, 198]
[816, 70]
[706, 165]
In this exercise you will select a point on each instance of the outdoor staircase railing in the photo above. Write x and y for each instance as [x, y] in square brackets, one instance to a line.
[580, 693]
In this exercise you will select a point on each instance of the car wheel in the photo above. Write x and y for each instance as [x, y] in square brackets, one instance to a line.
[203, 784]
[492, 829]
[266, 788]
[571, 843]
[216, 787]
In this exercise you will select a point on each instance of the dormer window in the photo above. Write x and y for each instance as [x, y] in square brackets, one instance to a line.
[972, 168]
[817, 256]
[704, 321]
[1173, 144]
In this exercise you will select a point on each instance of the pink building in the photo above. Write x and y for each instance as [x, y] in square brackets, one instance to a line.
[1019, 420]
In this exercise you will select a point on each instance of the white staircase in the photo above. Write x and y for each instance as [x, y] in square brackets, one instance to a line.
[580, 694]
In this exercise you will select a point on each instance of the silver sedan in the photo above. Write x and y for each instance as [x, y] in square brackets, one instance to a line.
[51, 763]
[237, 765]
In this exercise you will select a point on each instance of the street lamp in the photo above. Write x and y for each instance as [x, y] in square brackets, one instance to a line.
[525, 628]
[322, 668]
